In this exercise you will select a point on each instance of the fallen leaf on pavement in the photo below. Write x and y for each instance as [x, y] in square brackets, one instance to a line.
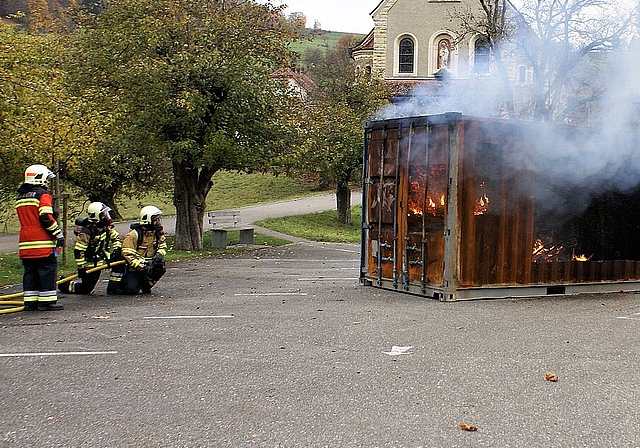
[551, 377]
[466, 427]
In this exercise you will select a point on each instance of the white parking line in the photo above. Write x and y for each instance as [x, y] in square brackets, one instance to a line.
[634, 316]
[188, 317]
[271, 294]
[298, 260]
[16, 355]
[316, 279]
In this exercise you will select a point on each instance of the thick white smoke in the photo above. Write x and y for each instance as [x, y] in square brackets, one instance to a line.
[571, 164]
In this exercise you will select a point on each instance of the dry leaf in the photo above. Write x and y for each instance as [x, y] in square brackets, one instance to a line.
[551, 377]
[100, 317]
[466, 427]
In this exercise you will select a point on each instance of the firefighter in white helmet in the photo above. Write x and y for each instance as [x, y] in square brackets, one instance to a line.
[96, 240]
[144, 248]
[40, 239]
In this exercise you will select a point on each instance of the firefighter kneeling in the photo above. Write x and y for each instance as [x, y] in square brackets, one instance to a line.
[96, 240]
[144, 248]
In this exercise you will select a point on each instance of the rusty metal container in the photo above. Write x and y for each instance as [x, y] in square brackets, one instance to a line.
[459, 208]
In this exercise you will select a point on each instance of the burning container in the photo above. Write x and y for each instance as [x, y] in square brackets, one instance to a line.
[459, 208]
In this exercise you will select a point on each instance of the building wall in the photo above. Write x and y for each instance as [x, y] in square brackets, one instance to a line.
[426, 22]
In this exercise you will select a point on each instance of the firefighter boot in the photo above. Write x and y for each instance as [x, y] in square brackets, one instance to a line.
[53, 306]
[31, 306]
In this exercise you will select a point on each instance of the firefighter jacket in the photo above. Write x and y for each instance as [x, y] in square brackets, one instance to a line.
[141, 244]
[38, 226]
[94, 243]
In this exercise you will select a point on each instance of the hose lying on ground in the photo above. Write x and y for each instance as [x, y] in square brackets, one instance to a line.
[6, 299]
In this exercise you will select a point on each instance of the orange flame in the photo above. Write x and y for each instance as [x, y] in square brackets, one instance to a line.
[545, 253]
[418, 182]
[581, 257]
[482, 203]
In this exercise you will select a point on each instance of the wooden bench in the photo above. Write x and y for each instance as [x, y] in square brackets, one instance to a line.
[223, 220]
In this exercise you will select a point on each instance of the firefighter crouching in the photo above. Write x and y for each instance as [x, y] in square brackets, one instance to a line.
[39, 241]
[96, 240]
[144, 248]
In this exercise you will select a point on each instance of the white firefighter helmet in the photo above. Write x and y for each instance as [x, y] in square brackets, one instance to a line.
[147, 213]
[95, 209]
[38, 175]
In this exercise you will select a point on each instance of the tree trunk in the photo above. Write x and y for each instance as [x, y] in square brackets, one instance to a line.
[343, 202]
[109, 199]
[189, 197]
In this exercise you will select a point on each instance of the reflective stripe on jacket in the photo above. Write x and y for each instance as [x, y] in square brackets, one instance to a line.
[138, 254]
[105, 240]
[38, 227]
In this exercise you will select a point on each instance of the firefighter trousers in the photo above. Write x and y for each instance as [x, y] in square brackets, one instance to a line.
[39, 281]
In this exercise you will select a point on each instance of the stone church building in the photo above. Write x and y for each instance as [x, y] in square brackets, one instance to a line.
[422, 42]
[419, 40]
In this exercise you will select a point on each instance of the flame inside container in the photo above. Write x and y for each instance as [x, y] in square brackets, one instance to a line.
[482, 202]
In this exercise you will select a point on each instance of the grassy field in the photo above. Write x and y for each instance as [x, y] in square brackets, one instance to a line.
[230, 190]
[324, 42]
[318, 226]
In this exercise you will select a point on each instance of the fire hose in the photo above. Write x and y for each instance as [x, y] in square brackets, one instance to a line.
[18, 305]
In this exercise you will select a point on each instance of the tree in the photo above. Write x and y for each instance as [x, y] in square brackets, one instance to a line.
[334, 122]
[558, 39]
[193, 77]
[41, 121]
[298, 20]
[48, 119]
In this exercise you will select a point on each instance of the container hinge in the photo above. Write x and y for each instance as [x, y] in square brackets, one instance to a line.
[414, 248]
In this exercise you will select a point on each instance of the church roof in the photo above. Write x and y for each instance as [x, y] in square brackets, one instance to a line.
[366, 43]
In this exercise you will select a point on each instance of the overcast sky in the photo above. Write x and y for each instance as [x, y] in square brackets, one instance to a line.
[349, 16]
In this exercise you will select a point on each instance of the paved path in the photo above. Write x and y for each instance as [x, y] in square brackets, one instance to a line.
[9, 242]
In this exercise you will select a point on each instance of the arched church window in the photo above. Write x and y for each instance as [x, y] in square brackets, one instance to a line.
[407, 55]
[481, 56]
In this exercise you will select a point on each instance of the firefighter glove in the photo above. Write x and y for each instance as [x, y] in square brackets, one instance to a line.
[60, 240]
[158, 259]
[157, 267]
[147, 268]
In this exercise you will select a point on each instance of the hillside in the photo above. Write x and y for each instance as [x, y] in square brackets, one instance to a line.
[318, 42]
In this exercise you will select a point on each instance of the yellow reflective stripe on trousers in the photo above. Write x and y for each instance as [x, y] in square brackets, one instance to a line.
[47, 296]
[30, 296]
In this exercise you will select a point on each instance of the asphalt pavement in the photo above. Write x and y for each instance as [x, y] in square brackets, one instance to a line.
[281, 347]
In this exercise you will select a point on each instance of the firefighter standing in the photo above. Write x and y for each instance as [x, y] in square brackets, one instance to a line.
[39, 241]
[96, 240]
[144, 248]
